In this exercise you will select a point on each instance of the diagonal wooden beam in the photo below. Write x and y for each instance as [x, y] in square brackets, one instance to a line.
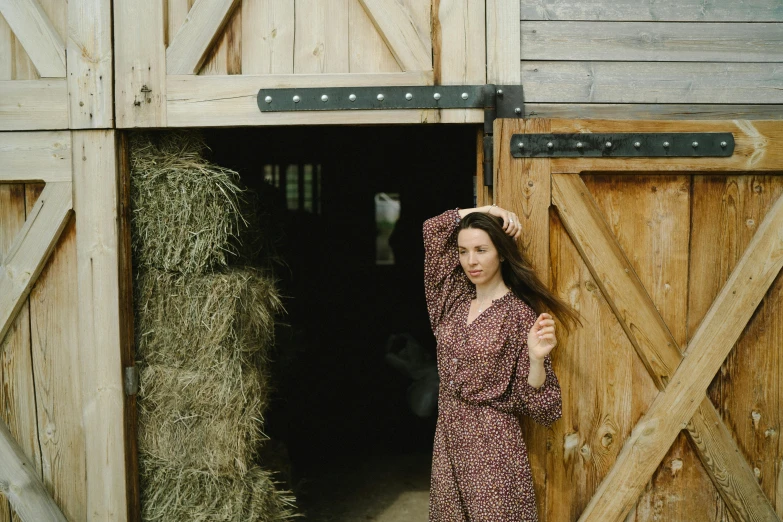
[20, 483]
[711, 439]
[673, 408]
[616, 278]
[37, 35]
[189, 47]
[31, 248]
[396, 27]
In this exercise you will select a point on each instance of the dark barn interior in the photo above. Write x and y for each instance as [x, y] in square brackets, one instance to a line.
[345, 208]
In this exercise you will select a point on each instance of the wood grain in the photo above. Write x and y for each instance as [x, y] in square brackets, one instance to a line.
[652, 41]
[140, 64]
[754, 149]
[33, 104]
[21, 485]
[33, 28]
[503, 42]
[484, 194]
[267, 36]
[616, 277]
[17, 402]
[31, 248]
[212, 101]
[712, 342]
[225, 54]
[654, 11]
[368, 52]
[96, 206]
[35, 156]
[650, 82]
[653, 111]
[6, 66]
[410, 46]
[90, 64]
[321, 36]
[55, 354]
[188, 49]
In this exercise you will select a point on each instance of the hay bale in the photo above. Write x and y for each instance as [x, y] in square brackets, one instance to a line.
[186, 210]
[208, 419]
[177, 495]
[200, 320]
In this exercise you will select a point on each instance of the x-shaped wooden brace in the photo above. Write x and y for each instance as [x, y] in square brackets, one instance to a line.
[682, 379]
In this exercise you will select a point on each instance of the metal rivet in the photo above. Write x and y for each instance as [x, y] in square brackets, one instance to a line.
[637, 144]
[521, 145]
[723, 144]
[352, 97]
[518, 110]
[608, 144]
[408, 96]
[579, 145]
[695, 144]
[665, 144]
[500, 92]
[324, 98]
[297, 99]
[550, 145]
[464, 96]
[380, 97]
[268, 99]
[436, 96]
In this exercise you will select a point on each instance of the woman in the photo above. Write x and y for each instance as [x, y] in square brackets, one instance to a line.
[493, 361]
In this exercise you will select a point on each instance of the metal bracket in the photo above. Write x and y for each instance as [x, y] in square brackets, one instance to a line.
[623, 145]
[497, 101]
[131, 374]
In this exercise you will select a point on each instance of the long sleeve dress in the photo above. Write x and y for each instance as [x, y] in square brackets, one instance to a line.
[480, 467]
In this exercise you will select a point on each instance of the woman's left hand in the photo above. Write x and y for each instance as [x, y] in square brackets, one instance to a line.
[541, 338]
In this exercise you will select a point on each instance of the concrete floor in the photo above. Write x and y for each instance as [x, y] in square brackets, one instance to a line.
[380, 489]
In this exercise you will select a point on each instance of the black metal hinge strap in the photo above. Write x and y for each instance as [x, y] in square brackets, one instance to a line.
[623, 145]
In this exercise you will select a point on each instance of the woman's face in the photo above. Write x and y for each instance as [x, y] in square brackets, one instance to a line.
[478, 256]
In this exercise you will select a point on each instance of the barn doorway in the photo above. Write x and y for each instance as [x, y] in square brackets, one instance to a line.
[352, 431]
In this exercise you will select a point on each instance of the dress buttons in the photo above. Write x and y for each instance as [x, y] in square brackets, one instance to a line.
[451, 383]
[454, 360]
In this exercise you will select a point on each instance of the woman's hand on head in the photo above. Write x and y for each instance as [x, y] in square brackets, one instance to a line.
[511, 225]
[541, 338]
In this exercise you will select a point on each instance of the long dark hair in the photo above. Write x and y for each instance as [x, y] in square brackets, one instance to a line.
[517, 271]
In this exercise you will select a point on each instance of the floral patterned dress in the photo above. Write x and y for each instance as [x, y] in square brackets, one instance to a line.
[480, 467]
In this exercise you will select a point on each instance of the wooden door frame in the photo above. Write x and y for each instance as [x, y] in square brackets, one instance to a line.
[531, 186]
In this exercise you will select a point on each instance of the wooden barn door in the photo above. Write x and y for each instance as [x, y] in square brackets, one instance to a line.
[673, 387]
[201, 64]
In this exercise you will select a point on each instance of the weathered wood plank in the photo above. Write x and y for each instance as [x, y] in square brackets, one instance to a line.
[484, 194]
[503, 42]
[321, 36]
[53, 324]
[411, 47]
[20, 484]
[213, 101]
[35, 156]
[96, 206]
[267, 36]
[616, 278]
[651, 111]
[754, 149]
[651, 82]
[652, 41]
[201, 28]
[35, 31]
[17, 402]
[33, 104]
[31, 248]
[712, 342]
[90, 64]
[726, 211]
[653, 11]
[140, 64]
[6, 67]
[462, 51]
[368, 52]
[225, 54]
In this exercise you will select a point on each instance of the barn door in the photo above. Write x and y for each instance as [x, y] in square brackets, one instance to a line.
[202, 63]
[672, 389]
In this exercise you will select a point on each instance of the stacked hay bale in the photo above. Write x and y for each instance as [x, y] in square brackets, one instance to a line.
[204, 327]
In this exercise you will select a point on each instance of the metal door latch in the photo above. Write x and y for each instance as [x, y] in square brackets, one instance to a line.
[624, 145]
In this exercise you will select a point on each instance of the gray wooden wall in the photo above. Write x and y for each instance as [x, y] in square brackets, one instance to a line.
[675, 59]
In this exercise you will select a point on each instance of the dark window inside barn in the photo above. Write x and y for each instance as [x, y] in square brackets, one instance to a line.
[346, 206]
